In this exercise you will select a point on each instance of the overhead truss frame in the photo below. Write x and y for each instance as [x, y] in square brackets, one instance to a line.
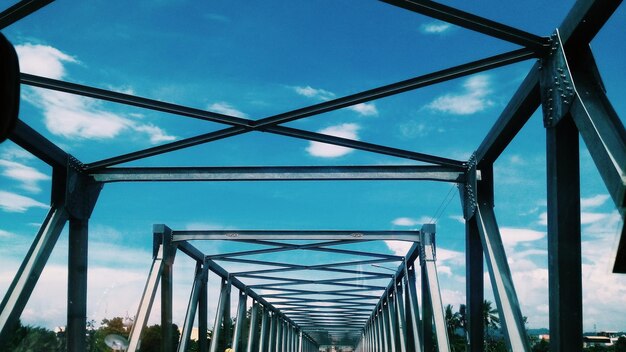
[564, 81]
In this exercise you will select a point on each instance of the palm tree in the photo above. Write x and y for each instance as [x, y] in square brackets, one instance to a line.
[490, 316]
[453, 320]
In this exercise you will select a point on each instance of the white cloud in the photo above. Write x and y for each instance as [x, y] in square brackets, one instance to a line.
[6, 234]
[593, 202]
[311, 92]
[472, 100]
[543, 219]
[365, 109]
[405, 222]
[156, 134]
[15, 153]
[589, 218]
[28, 176]
[43, 60]
[399, 247]
[458, 218]
[69, 115]
[15, 203]
[323, 150]
[436, 27]
[512, 236]
[227, 109]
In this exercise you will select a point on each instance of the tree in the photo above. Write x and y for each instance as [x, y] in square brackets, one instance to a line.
[490, 317]
[151, 338]
[620, 345]
[38, 339]
[30, 339]
[114, 325]
[541, 346]
[453, 320]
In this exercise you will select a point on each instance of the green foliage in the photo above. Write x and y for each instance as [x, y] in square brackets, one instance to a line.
[541, 346]
[620, 345]
[151, 338]
[32, 339]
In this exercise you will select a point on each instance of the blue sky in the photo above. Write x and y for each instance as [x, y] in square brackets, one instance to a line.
[257, 59]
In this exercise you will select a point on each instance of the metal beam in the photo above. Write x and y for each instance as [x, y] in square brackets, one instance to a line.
[234, 235]
[281, 173]
[475, 288]
[147, 298]
[20, 10]
[580, 26]
[241, 318]
[77, 284]
[269, 124]
[473, 22]
[38, 145]
[603, 133]
[220, 324]
[253, 339]
[194, 297]
[501, 279]
[432, 285]
[28, 274]
[564, 237]
[167, 286]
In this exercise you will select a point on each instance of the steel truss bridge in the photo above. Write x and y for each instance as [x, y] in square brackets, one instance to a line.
[285, 314]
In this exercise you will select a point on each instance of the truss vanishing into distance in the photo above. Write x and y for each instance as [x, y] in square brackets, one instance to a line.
[564, 81]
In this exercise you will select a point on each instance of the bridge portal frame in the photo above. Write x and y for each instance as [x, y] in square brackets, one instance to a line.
[565, 82]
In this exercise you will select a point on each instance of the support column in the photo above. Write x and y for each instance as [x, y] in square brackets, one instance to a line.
[401, 318]
[219, 324]
[191, 308]
[241, 319]
[271, 344]
[252, 333]
[427, 314]
[564, 239]
[391, 310]
[77, 284]
[432, 282]
[203, 309]
[414, 325]
[264, 331]
[167, 280]
[475, 288]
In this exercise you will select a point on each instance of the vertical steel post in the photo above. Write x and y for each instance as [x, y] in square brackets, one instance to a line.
[241, 320]
[401, 317]
[416, 338]
[203, 309]
[191, 308]
[474, 288]
[564, 239]
[427, 313]
[385, 319]
[252, 332]
[26, 278]
[279, 334]
[77, 284]
[264, 331]
[300, 347]
[167, 281]
[219, 323]
[147, 298]
[381, 331]
[391, 311]
[428, 262]
[271, 342]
